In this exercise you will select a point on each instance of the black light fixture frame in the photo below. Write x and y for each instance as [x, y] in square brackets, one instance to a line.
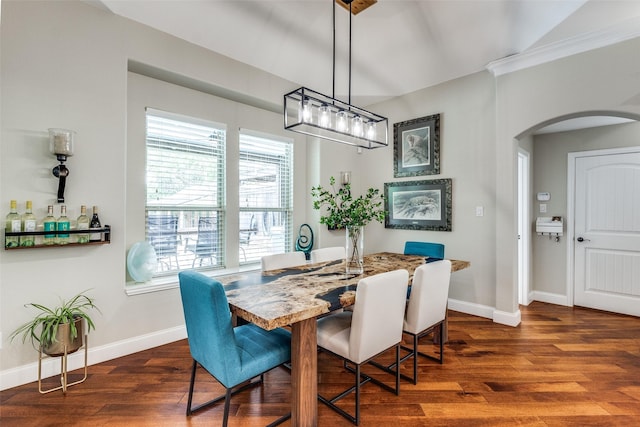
[292, 101]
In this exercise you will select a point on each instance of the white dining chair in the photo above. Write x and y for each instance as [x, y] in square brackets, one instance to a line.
[427, 308]
[360, 335]
[327, 254]
[283, 260]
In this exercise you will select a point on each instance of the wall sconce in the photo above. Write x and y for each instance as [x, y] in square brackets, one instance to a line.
[61, 144]
[345, 178]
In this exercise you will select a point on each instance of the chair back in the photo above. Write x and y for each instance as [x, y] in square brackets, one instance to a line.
[428, 249]
[429, 294]
[378, 314]
[245, 233]
[209, 329]
[327, 254]
[283, 260]
[162, 234]
[207, 237]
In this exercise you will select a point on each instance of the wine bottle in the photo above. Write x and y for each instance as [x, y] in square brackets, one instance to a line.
[12, 225]
[29, 225]
[49, 224]
[83, 224]
[95, 223]
[63, 224]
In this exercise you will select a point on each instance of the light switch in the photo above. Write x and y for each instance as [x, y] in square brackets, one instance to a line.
[543, 207]
[479, 211]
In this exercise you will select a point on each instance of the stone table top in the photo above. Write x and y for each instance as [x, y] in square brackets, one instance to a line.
[276, 298]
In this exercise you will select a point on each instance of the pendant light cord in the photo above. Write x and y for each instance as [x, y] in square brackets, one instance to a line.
[350, 53]
[334, 52]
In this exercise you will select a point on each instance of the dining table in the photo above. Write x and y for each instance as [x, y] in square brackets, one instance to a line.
[296, 297]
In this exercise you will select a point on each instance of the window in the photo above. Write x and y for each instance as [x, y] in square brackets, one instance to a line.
[265, 195]
[185, 214]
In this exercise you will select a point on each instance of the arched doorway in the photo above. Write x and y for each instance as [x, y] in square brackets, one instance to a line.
[552, 262]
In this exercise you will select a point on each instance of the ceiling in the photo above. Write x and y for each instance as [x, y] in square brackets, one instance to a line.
[398, 46]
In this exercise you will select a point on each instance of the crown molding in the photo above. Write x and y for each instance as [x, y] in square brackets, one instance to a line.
[626, 30]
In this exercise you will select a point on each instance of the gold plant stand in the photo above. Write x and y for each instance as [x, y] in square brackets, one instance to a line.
[64, 384]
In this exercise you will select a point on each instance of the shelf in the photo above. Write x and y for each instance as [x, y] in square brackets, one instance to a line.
[106, 231]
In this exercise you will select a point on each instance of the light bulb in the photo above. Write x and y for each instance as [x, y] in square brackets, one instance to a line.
[357, 126]
[304, 111]
[324, 116]
[341, 121]
[371, 130]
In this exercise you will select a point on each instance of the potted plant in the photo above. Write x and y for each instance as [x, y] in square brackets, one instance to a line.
[345, 211]
[53, 328]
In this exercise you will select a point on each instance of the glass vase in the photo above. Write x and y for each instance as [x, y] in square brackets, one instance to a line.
[355, 250]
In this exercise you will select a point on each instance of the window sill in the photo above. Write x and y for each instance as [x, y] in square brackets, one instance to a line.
[171, 282]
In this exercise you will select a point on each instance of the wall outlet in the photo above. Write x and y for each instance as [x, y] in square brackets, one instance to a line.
[479, 210]
[543, 208]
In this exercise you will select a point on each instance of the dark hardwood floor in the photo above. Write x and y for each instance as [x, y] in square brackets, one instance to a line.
[561, 367]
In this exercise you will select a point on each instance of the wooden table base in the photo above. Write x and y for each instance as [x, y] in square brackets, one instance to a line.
[304, 374]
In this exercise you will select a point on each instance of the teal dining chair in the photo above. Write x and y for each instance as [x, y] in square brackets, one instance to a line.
[427, 249]
[231, 355]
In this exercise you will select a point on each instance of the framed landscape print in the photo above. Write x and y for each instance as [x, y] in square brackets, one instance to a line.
[416, 147]
[419, 205]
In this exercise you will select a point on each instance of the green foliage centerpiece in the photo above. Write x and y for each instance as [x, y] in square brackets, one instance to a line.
[342, 210]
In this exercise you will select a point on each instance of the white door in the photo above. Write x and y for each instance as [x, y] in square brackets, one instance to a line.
[524, 227]
[607, 232]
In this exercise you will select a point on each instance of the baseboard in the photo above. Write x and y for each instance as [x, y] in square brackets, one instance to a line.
[506, 318]
[471, 308]
[550, 298]
[502, 317]
[51, 365]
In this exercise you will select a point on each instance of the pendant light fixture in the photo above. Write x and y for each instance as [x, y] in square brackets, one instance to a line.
[312, 113]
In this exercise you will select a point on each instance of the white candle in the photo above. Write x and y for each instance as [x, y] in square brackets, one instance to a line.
[61, 141]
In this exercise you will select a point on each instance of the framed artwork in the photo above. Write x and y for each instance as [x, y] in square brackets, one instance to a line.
[419, 205]
[416, 147]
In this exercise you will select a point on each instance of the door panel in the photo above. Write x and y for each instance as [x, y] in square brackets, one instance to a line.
[607, 233]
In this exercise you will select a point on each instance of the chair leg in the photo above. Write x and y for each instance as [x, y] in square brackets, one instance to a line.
[413, 353]
[193, 379]
[398, 370]
[441, 341]
[415, 359]
[227, 396]
[357, 418]
[227, 402]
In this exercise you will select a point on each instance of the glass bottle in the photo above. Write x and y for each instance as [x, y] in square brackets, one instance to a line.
[29, 225]
[49, 224]
[95, 223]
[12, 225]
[83, 224]
[63, 224]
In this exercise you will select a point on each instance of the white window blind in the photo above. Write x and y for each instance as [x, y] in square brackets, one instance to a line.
[185, 214]
[266, 195]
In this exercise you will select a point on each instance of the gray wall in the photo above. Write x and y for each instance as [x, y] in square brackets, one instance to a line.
[66, 64]
[550, 174]
[604, 80]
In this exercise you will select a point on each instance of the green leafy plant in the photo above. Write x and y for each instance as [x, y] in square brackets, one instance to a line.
[44, 326]
[343, 210]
